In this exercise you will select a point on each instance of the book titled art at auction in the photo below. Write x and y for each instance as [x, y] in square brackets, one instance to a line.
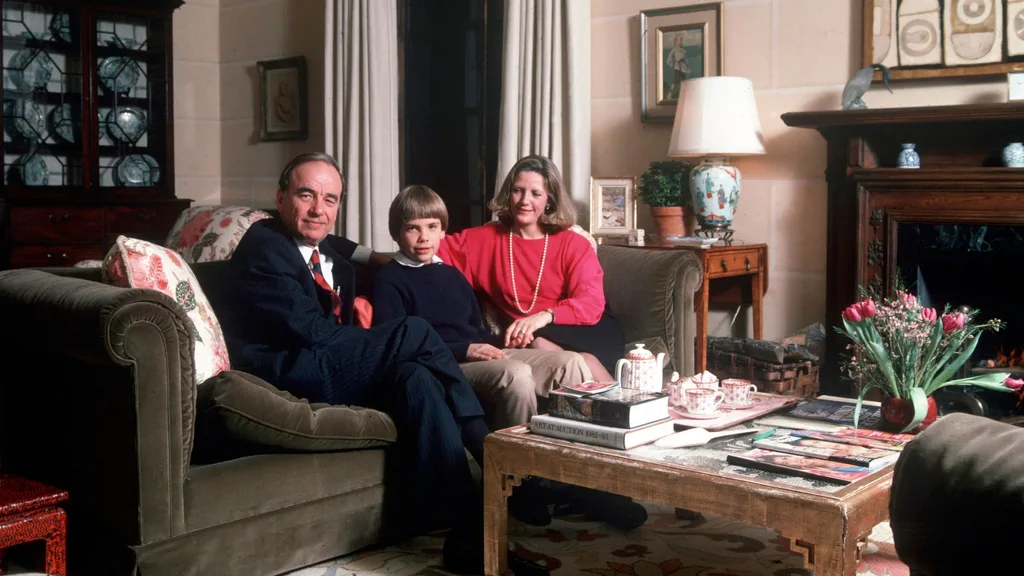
[607, 436]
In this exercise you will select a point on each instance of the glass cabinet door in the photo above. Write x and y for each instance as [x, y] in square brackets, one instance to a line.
[42, 99]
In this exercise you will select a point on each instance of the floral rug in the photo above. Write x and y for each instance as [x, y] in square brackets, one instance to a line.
[664, 546]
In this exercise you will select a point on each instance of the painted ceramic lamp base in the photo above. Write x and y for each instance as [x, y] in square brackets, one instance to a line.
[716, 192]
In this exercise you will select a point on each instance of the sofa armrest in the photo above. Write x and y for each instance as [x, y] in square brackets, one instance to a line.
[118, 370]
[650, 292]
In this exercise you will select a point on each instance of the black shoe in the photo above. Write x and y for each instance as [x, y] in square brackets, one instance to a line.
[527, 505]
[619, 511]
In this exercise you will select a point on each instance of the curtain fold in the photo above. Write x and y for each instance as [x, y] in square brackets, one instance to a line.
[361, 124]
[545, 99]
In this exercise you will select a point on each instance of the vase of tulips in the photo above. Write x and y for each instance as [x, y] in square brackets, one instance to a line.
[908, 351]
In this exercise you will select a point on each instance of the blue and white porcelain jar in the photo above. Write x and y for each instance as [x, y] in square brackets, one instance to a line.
[1013, 155]
[908, 157]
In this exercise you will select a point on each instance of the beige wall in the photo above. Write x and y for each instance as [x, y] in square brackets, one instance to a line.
[799, 54]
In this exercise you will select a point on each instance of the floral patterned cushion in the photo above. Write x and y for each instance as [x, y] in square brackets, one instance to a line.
[133, 263]
[208, 233]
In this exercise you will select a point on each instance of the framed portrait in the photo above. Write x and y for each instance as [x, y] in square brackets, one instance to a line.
[944, 38]
[676, 44]
[283, 99]
[612, 205]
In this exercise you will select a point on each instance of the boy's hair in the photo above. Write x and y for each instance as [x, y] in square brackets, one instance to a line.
[415, 202]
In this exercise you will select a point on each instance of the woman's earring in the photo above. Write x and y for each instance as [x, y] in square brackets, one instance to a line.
[549, 208]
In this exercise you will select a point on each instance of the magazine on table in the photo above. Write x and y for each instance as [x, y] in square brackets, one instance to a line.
[771, 461]
[826, 450]
[860, 437]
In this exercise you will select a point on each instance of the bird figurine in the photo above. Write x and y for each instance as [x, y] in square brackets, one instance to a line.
[860, 83]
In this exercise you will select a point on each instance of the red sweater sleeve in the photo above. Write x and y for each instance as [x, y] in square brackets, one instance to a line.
[452, 251]
[584, 279]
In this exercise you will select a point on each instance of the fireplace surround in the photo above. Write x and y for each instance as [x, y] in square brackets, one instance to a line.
[951, 230]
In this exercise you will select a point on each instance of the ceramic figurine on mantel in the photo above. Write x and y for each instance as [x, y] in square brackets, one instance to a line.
[1013, 155]
[908, 157]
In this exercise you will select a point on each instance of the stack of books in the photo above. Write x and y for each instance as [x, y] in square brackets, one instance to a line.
[843, 455]
[619, 418]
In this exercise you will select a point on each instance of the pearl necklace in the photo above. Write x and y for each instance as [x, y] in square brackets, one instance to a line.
[512, 272]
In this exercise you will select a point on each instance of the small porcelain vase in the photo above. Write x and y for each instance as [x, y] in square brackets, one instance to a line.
[908, 157]
[1013, 155]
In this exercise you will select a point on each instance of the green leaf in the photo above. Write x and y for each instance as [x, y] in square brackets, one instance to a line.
[928, 360]
[954, 365]
[860, 400]
[920, 402]
[993, 381]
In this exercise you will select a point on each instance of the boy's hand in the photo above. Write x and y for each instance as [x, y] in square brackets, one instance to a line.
[482, 352]
[520, 332]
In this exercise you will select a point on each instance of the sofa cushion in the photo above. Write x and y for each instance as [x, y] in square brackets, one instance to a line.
[208, 233]
[252, 410]
[133, 263]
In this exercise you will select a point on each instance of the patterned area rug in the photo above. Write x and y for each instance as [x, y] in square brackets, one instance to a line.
[664, 546]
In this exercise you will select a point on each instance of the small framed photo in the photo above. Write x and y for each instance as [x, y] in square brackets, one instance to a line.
[283, 99]
[676, 44]
[612, 205]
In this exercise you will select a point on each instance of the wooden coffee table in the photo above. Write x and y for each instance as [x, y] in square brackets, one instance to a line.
[828, 527]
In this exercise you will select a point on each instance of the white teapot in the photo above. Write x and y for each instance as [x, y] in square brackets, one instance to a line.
[643, 370]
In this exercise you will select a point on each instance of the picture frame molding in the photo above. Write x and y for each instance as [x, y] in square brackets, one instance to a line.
[596, 203]
[265, 66]
[648, 104]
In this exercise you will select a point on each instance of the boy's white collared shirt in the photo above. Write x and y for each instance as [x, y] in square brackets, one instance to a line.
[406, 261]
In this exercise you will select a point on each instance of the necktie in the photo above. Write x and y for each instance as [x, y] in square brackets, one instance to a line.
[318, 275]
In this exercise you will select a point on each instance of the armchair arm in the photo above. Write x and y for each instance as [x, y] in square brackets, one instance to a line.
[650, 292]
[117, 382]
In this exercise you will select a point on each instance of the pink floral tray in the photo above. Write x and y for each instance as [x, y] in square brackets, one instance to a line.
[763, 404]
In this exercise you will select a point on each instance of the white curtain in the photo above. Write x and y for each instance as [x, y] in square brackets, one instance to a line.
[545, 93]
[361, 84]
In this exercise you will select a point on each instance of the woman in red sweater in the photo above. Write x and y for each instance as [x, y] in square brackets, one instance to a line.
[545, 278]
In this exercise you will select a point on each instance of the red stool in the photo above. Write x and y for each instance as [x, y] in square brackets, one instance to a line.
[28, 512]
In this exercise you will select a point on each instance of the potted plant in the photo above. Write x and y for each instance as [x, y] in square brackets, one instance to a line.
[909, 351]
[665, 187]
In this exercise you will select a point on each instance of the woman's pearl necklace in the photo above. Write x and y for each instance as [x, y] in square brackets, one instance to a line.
[512, 271]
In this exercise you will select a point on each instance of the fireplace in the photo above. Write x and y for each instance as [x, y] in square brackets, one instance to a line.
[952, 231]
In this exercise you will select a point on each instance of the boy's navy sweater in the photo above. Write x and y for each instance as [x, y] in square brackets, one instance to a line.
[439, 294]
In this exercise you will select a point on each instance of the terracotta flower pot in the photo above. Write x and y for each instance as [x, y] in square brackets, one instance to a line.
[898, 412]
[673, 220]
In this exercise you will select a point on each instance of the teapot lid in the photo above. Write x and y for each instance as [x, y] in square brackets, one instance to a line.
[639, 353]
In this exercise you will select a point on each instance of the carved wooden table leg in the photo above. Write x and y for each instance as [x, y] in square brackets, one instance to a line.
[831, 560]
[497, 488]
[47, 524]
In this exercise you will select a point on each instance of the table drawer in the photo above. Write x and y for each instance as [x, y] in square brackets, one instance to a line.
[734, 263]
[134, 221]
[56, 224]
[61, 255]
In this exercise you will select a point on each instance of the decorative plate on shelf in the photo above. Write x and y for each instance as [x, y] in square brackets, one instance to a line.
[62, 120]
[29, 69]
[119, 74]
[126, 123]
[32, 171]
[60, 26]
[29, 121]
[137, 170]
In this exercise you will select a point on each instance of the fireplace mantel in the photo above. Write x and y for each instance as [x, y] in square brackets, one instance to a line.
[961, 181]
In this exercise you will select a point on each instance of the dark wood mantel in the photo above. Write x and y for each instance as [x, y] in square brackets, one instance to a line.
[961, 181]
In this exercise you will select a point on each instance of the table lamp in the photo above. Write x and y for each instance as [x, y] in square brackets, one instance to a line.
[716, 117]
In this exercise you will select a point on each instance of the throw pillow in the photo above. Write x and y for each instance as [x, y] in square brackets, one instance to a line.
[251, 409]
[133, 263]
[207, 233]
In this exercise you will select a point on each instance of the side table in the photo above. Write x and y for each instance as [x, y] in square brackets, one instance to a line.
[29, 512]
[733, 275]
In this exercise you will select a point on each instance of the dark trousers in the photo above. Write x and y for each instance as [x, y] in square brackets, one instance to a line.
[404, 369]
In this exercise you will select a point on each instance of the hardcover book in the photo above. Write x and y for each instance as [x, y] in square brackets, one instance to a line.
[607, 436]
[617, 408]
[834, 451]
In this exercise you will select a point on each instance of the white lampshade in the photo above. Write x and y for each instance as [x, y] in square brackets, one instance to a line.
[716, 116]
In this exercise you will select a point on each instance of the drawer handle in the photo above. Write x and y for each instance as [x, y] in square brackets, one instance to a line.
[746, 260]
[52, 217]
[64, 256]
[724, 267]
[145, 215]
[49, 256]
[66, 217]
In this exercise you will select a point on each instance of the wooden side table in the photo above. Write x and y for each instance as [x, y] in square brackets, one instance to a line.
[733, 275]
[29, 512]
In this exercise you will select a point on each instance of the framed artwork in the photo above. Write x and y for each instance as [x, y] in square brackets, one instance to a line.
[676, 44]
[920, 39]
[283, 99]
[612, 205]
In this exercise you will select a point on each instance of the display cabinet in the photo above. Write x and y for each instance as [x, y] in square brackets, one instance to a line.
[88, 138]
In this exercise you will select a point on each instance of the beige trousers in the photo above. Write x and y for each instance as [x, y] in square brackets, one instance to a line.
[508, 389]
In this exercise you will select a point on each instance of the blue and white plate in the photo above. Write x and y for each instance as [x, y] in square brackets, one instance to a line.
[29, 69]
[32, 170]
[126, 124]
[137, 170]
[29, 120]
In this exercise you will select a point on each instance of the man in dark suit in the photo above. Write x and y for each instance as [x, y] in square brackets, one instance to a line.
[290, 322]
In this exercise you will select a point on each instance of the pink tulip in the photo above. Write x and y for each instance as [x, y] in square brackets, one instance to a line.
[867, 308]
[1014, 384]
[929, 315]
[852, 314]
[907, 299]
[953, 322]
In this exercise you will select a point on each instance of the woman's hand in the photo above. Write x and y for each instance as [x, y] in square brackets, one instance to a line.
[483, 352]
[520, 332]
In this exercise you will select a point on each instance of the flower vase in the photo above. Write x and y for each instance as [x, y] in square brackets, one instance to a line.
[897, 413]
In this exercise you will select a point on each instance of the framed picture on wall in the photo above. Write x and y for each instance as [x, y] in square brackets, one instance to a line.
[612, 205]
[283, 99]
[676, 44]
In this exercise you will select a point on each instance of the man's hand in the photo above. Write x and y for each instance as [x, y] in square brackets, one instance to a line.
[520, 332]
[482, 352]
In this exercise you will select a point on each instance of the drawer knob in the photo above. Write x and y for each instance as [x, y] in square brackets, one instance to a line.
[64, 256]
[52, 217]
[66, 217]
[746, 261]
[724, 267]
[49, 256]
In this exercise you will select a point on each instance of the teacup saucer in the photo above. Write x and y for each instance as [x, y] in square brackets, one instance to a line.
[737, 406]
[695, 416]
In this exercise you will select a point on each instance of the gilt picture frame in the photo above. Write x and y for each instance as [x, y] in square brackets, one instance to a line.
[283, 99]
[612, 205]
[677, 44]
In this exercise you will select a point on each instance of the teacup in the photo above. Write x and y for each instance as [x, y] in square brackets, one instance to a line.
[702, 400]
[738, 392]
[705, 380]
